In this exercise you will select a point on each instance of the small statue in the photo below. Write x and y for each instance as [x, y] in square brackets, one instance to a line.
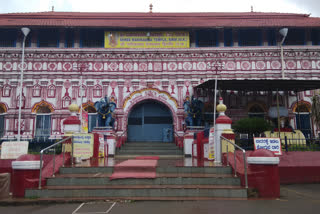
[193, 109]
[105, 108]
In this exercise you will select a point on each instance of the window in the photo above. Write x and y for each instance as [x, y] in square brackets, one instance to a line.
[295, 37]
[8, 37]
[92, 117]
[6, 91]
[83, 91]
[272, 38]
[250, 37]
[228, 39]
[315, 36]
[207, 38]
[92, 121]
[66, 101]
[48, 38]
[43, 125]
[92, 38]
[69, 39]
[36, 92]
[97, 91]
[51, 91]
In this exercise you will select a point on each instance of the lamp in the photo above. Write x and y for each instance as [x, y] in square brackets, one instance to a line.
[25, 32]
[283, 32]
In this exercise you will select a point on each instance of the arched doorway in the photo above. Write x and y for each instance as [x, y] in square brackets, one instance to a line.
[3, 111]
[302, 110]
[150, 121]
[256, 109]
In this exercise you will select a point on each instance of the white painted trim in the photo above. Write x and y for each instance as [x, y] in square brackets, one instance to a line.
[263, 160]
[26, 165]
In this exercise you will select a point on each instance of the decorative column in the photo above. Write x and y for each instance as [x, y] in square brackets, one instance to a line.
[223, 123]
[120, 93]
[180, 93]
[105, 86]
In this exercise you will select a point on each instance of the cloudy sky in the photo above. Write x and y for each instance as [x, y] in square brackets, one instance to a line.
[287, 6]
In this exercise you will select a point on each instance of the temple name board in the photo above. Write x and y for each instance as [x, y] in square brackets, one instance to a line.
[166, 39]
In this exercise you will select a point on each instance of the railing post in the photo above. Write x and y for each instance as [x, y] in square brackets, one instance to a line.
[235, 162]
[41, 158]
[227, 154]
[286, 143]
[72, 151]
[54, 160]
[245, 168]
[63, 151]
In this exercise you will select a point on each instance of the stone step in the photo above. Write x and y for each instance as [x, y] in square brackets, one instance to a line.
[176, 170]
[150, 152]
[160, 180]
[127, 191]
[148, 147]
[138, 144]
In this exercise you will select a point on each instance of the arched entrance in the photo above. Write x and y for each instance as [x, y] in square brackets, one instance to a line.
[302, 110]
[150, 121]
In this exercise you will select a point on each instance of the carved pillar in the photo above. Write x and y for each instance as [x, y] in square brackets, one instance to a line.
[220, 38]
[13, 99]
[77, 39]
[43, 92]
[62, 33]
[105, 86]
[120, 94]
[235, 36]
[28, 97]
[89, 93]
[180, 93]
[59, 97]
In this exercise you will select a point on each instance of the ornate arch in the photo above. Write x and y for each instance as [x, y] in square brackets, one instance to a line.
[138, 100]
[88, 105]
[40, 104]
[295, 105]
[3, 108]
[262, 105]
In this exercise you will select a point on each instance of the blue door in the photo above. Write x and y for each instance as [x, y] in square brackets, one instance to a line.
[150, 122]
[303, 124]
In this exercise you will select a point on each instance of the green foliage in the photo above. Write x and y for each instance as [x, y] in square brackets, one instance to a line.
[251, 125]
[315, 110]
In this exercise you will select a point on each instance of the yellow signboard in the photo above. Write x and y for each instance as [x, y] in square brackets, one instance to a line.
[142, 39]
[83, 145]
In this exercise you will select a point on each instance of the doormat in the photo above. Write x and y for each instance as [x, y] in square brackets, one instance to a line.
[147, 158]
[135, 169]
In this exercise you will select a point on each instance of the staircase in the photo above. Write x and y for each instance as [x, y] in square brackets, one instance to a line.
[149, 148]
[171, 183]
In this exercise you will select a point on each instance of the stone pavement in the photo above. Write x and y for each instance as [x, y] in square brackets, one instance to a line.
[299, 198]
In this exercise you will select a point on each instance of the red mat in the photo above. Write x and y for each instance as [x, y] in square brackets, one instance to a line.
[147, 158]
[135, 169]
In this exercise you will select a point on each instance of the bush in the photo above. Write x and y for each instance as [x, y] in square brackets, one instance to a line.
[251, 126]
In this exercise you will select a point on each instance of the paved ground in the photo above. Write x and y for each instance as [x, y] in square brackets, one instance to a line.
[303, 199]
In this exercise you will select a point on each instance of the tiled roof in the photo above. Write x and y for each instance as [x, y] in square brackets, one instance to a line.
[158, 20]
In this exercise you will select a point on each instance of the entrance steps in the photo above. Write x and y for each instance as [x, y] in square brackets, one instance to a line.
[149, 148]
[171, 183]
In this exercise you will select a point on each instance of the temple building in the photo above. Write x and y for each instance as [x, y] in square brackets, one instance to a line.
[149, 64]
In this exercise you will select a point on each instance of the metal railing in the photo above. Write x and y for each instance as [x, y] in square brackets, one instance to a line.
[54, 156]
[235, 162]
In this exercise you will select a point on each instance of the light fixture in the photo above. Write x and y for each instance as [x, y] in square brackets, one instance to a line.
[284, 33]
[148, 34]
[25, 32]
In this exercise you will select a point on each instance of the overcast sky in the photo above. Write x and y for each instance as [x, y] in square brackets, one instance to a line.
[285, 6]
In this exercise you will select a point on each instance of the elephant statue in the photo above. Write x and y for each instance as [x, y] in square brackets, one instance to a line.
[193, 109]
[104, 109]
